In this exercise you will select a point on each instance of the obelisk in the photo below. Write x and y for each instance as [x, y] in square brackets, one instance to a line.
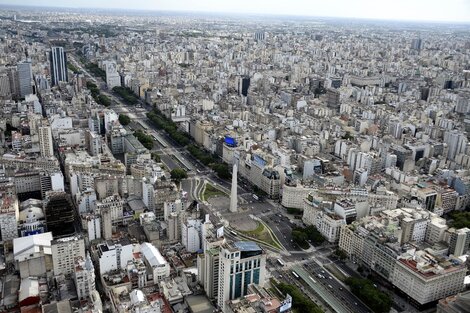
[233, 193]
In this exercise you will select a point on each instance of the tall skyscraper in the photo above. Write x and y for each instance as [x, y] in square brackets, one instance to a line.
[58, 63]
[45, 139]
[260, 36]
[233, 193]
[241, 263]
[417, 44]
[25, 76]
[243, 85]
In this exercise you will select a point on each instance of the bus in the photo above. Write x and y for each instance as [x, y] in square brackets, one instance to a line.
[295, 274]
[280, 262]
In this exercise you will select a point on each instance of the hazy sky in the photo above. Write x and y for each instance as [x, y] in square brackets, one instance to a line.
[430, 10]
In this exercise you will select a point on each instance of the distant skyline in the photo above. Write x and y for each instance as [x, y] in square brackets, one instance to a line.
[417, 10]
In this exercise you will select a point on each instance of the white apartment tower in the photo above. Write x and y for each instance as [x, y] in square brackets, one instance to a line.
[64, 252]
[45, 139]
[84, 276]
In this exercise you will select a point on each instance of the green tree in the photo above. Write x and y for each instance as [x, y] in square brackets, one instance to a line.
[124, 119]
[341, 254]
[178, 174]
[300, 238]
[460, 219]
[300, 302]
[222, 170]
[104, 100]
[156, 157]
[145, 140]
[365, 290]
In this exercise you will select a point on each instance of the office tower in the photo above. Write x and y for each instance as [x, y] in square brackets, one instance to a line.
[233, 193]
[333, 99]
[459, 241]
[260, 36]
[241, 263]
[417, 44]
[58, 64]
[243, 85]
[5, 90]
[60, 215]
[25, 76]
[12, 73]
[45, 139]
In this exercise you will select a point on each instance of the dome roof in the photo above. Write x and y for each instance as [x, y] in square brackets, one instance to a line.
[31, 213]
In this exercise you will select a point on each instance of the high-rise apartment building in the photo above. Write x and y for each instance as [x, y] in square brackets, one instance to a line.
[459, 241]
[84, 276]
[45, 139]
[58, 64]
[64, 252]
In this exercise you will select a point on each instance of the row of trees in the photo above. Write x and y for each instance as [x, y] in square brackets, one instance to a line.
[182, 138]
[145, 140]
[178, 174]
[207, 159]
[365, 290]
[72, 67]
[126, 94]
[302, 236]
[95, 70]
[95, 93]
[169, 127]
[300, 302]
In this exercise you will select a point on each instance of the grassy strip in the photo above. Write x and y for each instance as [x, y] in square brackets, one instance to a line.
[210, 192]
[263, 234]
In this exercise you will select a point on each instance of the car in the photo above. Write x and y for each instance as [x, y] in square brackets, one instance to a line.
[329, 286]
[355, 303]
[323, 272]
[330, 277]
[340, 288]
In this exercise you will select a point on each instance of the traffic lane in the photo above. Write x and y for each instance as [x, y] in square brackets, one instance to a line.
[346, 268]
[337, 288]
[280, 233]
[169, 162]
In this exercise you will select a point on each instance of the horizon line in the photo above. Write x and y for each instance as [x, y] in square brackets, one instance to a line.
[250, 14]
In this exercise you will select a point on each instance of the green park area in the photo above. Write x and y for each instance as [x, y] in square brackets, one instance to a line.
[210, 192]
[264, 235]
